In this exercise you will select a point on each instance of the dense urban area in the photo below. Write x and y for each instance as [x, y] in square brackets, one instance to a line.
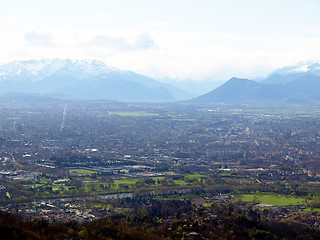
[173, 171]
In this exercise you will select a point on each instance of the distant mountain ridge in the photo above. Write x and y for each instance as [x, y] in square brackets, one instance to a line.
[291, 73]
[94, 80]
[82, 79]
[294, 84]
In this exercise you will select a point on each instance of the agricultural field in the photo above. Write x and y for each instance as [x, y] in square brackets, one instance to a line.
[272, 199]
[133, 114]
[81, 172]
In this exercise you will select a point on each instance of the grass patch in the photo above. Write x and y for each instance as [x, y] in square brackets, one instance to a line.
[82, 172]
[207, 204]
[197, 176]
[169, 173]
[158, 178]
[184, 119]
[180, 182]
[133, 114]
[125, 184]
[272, 199]
[127, 181]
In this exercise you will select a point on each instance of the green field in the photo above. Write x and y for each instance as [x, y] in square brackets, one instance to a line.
[272, 199]
[82, 171]
[125, 183]
[180, 182]
[197, 176]
[168, 173]
[128, 180]
[158, 178]
[184, 119]
[133, 114]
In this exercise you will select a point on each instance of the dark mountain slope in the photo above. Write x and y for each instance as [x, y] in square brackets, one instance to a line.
[241, 90]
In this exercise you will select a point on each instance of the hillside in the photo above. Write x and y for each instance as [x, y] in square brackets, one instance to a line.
[300, 88]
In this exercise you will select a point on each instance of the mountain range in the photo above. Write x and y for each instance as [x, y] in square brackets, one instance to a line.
[64, 78]
[294, 84]
[93, 80]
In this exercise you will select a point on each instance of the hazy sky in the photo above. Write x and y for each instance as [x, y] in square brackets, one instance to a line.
[180, 39]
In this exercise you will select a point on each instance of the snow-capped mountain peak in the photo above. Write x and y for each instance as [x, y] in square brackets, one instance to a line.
[83, 79]
[302, 67]
[36, 70]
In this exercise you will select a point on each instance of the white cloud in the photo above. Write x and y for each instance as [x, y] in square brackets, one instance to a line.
[217, 57]
[141, 42]
[110, 42]
[39, 39]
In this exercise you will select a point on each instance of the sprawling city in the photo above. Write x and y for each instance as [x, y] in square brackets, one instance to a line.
[81, 161]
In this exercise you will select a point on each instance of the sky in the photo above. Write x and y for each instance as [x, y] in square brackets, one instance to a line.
[165, 39]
